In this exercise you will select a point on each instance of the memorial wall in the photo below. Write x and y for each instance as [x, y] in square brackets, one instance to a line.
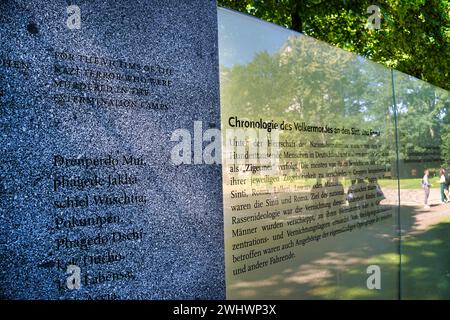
[124, 176]
[315, 141]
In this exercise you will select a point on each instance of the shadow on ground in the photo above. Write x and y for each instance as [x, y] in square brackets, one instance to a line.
[425, 267]
[336, 268]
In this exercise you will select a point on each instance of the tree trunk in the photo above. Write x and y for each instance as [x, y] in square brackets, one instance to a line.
[296, 15]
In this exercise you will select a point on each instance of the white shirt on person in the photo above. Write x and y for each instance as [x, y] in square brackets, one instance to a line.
[425, 181]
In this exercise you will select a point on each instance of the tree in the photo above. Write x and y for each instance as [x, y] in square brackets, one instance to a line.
[414, 37]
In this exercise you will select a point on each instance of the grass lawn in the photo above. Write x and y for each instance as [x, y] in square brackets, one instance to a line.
[414, 183]
[407, 183]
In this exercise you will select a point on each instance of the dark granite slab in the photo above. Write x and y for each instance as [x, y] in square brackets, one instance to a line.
[81, 107]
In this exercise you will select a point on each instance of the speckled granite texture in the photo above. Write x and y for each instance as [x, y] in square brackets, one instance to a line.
[135, 71]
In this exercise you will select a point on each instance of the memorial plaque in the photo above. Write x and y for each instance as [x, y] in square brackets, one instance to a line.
[308, 142]
[92, 206]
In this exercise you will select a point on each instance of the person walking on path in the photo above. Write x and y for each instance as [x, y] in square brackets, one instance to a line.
[443, 183]
[447, 184]
[426, 187]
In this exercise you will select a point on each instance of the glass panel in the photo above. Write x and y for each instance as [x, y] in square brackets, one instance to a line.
[424, 138]
[310, 203]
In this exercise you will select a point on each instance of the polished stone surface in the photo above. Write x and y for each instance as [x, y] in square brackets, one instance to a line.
[79, 107]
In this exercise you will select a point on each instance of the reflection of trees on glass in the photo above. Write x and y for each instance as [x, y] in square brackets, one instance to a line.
[309, 81]
[445, 132]
[410, 30]
[312, 82]
[423, 122]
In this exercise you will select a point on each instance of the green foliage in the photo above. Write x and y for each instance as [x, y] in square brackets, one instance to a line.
[414, 36]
